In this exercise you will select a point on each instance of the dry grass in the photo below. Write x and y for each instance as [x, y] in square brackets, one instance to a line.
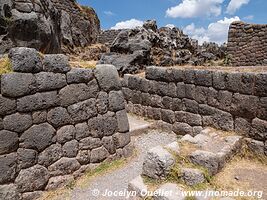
[84, 64]
[5, 65]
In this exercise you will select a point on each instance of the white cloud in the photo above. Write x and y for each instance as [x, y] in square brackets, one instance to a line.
[128, 24]
[216, 32]
[249, 17]
[195, 8]
[170, 25]
[234, 5]
[109, 13]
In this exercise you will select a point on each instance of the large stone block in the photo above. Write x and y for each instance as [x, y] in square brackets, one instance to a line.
[181, 90]
[25, 60]
[64, 166]
[189, 106]
[98, 155]
[66, 133]
[83, 157]
[93, 88]
[50, 155]
[189, 118]
[121, 139]
[242, 126]
[155, 73]
[123, 123]
[9, 192]
[224, 100]
[38, 137]
[70, 149]
[178, 75]
[59, 181]
[89, 143]
[192, 176]
[219, 80]
[202, 94]
[154, 113]
[79, 75]
[81, 130]
[46, 81]
[109, 144]
[8, 168]
[247, 83]
[57, 63]
[26, 158]
[39, 117]
[203, 78]
[262, 110]
[58, 117]
[259, 129]
[171, 192]
[107, 77]
[9, 141]
[17, 122]
[167, 116]
[32, 179]
[182, 129]
[260, 85]
[156, 101]
[189, 76]
[7, 106]
[234, 80]
[177, 104]
[17, 84]
[116, 101]
[38, 101]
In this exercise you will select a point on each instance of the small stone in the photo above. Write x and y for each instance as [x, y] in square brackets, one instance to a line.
[32, 195]
[39, 117]
[192, 176]
[7, 106]
[82, 131]
[57, 63]
[109, 144]
[98, 155]
[89, 143]
[83, 157]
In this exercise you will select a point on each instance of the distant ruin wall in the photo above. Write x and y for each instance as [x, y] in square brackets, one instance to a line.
[57, 122]
[107, 36]
[190, 99]
[247, 44]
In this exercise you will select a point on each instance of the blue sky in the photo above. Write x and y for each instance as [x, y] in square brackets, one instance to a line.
[205, 20]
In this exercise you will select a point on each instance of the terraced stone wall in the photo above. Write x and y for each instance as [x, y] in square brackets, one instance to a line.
[57, 122]
[247, 44]
[190, 99]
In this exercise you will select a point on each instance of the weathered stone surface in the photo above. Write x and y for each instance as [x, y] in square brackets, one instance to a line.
[173, 147]
[50, 155]
[109, 144]
[102, 102]
[57, 63]
[26, 158]
[39, 117]
[182, 128]
[7, 106]
[8, 168]
[256, 146]
[206, 159]
[9, 192]
[17, 122]
[58, 182]
[65, 134]
[70, 149]
[9, 141]
[82, 131]
[32, 195]
[121, 139]
[83, 157]
[58, 117]
[93, 88]
[171, 192]
[259, 129]
[17, 84]
[32, 179]
[107, 77]
[79, 75]
[189, 118]
[83, 110]
[38, 137]
[64, 166]
[38, 101]
[192, 176]
[116, 101]
[260, 84]
[262, 110]
[242, 126]
[123, 123]
[25, 60]
[157, 163]
[47, 81]
[89, 143]
[168, 116]
[203, 77]
[98, 155]
[137, 185]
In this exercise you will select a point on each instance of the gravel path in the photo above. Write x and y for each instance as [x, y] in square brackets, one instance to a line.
[118, 180]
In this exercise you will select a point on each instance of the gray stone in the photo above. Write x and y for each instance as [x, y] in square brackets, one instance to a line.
[169, 191]
[197, 130]
[188, 138]
[98, 155]
[202, 94]
[39, 117]
[9, 141]
[83, 157]
[182, 128]
[219, 80]
[9, 192]
[116, 101]
[26, 158]
[260, 84]
[205, 159]
[38, 101]
[137, 185]
[89, 143]
[83, 110]
[256, 146]
[32, 195]
[189, 118]
[109, 144]
[121, 139]
[189, 106]
[64, 166]
[25, 60]
[82, 131]
[38, 137]
[17, 122]
[123, 123]
[192, 177]
[107, 77]
[259, 129]
[128, 150]
[17, 84]
[102, 102]
[181, 92]
[70, 149]
[36, 178]
[47, 81]
[58, 117]
[65, 134]
[203, 77]
[262, 110]
[79, 75]
[168, 116]
[189, 76]
[7, 106]
[173, 147]
[57, 63]
[58, 182]
[93, 88]
[157, 163]
[8, 168]
[190, 91]
[50, 155]
[242, 126]
[224, 100]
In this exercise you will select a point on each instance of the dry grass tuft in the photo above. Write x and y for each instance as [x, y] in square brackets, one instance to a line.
[83, 64]
[5, 65]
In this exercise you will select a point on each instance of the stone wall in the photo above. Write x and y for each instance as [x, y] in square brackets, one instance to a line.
[190, 99]
[107, 36]
[247, 44]
[57, 122]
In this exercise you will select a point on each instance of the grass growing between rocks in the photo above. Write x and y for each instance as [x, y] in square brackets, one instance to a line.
[83, 64]
[5, 65]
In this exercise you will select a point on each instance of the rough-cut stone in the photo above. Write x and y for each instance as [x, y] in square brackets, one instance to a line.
[9, 141]
[50, 155]
[98, 155]
[109, 144]
[25, 60]
[47, 81]
[64, 166]
[32, 179]
[58, 117]
[137, 185]
[123, 123]
[168, 116]
[83, 157]
[116, 101]
[32, 195]
[7, 106]
[260, 84]
[70, 149]
[79, 75]
[189, 118]
[17, 122]
[38, 137]
[9, 192]
[107, 77]
[59, 181]
[157, 163]
[82, 131]
[39, 117]
[182, 128]
[89, 143]
[256, 146]
[192, 177]
[93, 88]
[102, 102]
[203, 77]
[121, 139]
[169, 191]
[17, 84]
[242, 126]
[26, 158]
[57, 63]
[65, 134]
[259, 129]
[8, 168]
